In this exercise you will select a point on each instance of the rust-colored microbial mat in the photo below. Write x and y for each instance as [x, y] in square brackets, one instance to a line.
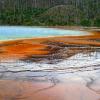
[53, 68]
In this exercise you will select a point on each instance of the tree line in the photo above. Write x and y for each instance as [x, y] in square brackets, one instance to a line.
[50, 12]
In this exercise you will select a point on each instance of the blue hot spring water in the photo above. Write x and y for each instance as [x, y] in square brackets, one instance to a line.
[16, 32]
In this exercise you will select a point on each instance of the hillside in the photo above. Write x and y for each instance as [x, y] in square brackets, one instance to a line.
[50, 12]
[61, 15]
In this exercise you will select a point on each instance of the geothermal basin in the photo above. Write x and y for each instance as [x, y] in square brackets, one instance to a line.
[49, 64]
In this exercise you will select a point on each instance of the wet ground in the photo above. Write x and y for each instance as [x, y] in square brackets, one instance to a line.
[55, 68]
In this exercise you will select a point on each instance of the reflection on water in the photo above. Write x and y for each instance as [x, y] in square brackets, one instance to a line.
[64, 68]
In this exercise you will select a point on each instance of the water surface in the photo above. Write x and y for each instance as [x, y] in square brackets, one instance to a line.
[15, 32]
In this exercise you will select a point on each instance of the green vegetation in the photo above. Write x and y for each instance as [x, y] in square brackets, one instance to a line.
[85, 23]
[61, 15]
[50, 12]
[18, 17]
